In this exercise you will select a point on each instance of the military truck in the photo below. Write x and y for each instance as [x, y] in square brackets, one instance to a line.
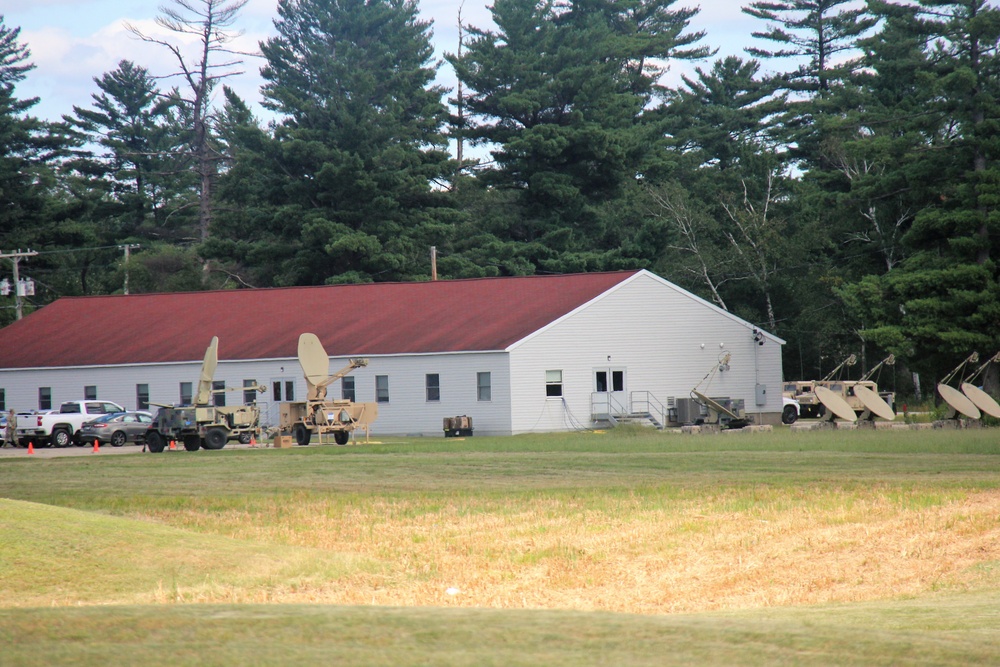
[810, 406]
[203, 425]
[319, 414]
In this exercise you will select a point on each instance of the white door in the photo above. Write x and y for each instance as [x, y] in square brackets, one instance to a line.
[279, 390]
[609, 387]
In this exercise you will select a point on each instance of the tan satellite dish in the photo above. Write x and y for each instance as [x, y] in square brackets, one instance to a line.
[958, 402]
[874, 403]
[313, 359]
[208, 372]
[836, 404]
[983, 401]
[715, 405]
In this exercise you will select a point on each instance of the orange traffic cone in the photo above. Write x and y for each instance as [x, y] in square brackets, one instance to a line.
[173, 445]
[97, 446]
[253, 440]
[31, 447]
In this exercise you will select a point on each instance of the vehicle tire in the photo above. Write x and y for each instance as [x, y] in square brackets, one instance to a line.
[192, 443]
[155, 441]
[118, 438]
[61, 438]
[302, 435]
[789, 414]
[341, 437]
[245, 438]
[215, 438]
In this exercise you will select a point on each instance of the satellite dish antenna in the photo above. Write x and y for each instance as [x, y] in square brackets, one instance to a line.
[314, 361]
[958, 402]
[981, 399]
[207, 372]
[873, 403]
[835, 405]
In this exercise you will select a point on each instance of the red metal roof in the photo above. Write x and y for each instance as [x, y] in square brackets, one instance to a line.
[350, 320]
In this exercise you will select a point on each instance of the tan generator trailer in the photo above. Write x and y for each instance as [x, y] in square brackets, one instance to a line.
[319, 414]
[203, 425]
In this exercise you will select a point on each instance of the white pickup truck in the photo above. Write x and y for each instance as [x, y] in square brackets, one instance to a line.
[61, 427]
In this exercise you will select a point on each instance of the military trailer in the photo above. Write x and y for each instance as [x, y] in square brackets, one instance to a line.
[203, 425]
[319, 414]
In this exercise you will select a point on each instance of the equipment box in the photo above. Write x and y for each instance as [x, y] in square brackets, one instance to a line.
[457, 426]
[282, 441]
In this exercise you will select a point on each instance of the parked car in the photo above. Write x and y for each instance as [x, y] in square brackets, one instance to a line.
[117, 428]
[3, 428]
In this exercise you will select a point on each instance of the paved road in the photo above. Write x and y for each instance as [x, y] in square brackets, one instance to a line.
[105, 450]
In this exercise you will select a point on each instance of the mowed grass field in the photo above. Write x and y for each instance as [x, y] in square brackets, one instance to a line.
[628, 547]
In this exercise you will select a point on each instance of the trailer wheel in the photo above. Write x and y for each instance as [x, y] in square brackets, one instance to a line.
[340, 437]
[215, 438]
[245, 438]
[301, 434]
[155, 441]
[192, 443]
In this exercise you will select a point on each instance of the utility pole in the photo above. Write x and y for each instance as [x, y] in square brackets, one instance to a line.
[127, 247]
[16, 257]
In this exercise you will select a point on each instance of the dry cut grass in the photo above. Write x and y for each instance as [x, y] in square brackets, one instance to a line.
[652, 551]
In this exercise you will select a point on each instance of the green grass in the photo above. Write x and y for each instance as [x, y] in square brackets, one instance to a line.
[101, 558]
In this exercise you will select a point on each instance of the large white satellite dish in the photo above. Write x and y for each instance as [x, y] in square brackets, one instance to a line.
[874, 403]
[958, 402]
[836, 404]
[983, 401]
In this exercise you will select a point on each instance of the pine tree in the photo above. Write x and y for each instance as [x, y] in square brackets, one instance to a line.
[943, 300]
[359, 151]
[558, 92]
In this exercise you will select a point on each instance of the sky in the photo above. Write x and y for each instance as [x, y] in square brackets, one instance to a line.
[74, 41]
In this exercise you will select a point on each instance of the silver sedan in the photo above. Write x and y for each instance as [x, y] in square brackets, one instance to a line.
[117, 428]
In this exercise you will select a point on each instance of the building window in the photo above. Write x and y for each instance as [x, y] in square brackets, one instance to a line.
[45, 398]
[219, 393]
[381, 388]
[553, 383]
[142, 397]
[347, 389]
[249, 392]
[289, 390]
[3, 400]
[276, 391]
[484, 387]
[186, 393]
[617, 381]
[90, 392]
[433, 387]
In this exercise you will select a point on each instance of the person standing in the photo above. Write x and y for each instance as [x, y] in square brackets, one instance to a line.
[10, 436]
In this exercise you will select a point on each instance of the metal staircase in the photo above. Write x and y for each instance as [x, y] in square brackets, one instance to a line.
[606, 411]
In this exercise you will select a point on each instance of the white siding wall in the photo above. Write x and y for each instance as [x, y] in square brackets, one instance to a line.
[657, 334]
[407, 411]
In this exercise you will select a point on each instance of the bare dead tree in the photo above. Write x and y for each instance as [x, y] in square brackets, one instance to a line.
[886, 216]
[691, 227]
[208, 21]
[755, 236]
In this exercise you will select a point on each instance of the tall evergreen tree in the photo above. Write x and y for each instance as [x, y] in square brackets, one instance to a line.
[359, 148]
[558, 92]
[944, 300]
[26, 144]
[127, 138]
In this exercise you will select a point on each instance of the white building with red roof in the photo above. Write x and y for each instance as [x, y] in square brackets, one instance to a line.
[517, 354]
